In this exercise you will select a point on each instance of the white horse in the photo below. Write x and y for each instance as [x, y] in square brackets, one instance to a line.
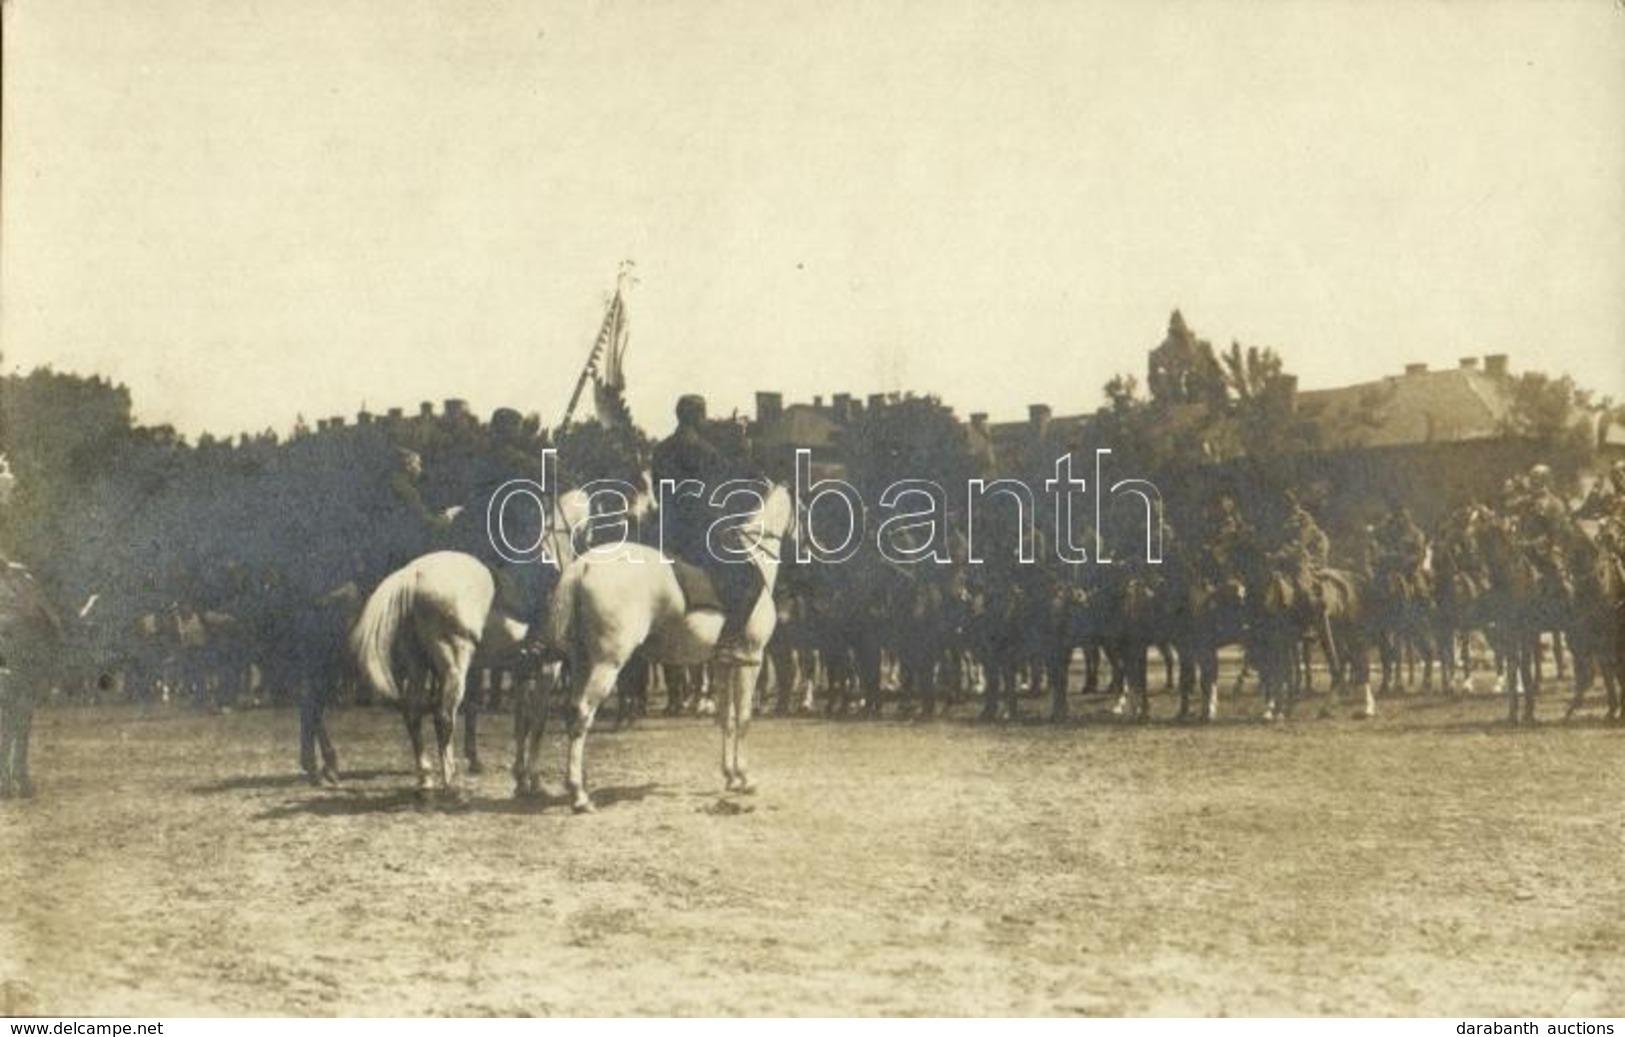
[418, 633]
[611, 604]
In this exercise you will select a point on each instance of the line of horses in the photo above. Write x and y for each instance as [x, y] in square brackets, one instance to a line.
[860, 629]
[937, 629]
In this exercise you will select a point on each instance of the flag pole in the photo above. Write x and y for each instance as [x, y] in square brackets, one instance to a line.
[606, 332]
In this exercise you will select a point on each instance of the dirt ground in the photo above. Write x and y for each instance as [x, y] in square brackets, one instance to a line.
[1430, 862]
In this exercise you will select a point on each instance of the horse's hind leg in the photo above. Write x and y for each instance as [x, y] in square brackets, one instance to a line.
[451, 663]
[593, 686]
[313, 735]
[736, 713]
[445, 736]
[413, 715]
[471, 719]
[532, 697]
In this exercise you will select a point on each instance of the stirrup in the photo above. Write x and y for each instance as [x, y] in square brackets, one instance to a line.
[732, 651]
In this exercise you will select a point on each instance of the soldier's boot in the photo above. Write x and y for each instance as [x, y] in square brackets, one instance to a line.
[739, 591]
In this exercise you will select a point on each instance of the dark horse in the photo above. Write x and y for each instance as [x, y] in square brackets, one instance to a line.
[1460, 599]
[1401, 614]
[1521, 603]
[1214, 615]
[31, 639]
[1599, 614]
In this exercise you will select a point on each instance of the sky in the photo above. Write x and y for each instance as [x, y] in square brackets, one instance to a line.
[249, 211]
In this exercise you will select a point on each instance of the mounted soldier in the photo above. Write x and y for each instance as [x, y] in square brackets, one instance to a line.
[1221, 557]
[1400, 550]
[1302, 551]
[1607, 496]
[501, 540]
[690, 455]
[1545, 529]
[404, 526]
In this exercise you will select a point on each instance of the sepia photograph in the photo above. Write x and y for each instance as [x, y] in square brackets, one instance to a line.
[909, 508]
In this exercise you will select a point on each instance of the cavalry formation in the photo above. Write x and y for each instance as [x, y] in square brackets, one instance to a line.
[1510, 576]
[1261, 583]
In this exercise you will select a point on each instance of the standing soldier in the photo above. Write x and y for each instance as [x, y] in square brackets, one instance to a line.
[30, 657]
[688, 454]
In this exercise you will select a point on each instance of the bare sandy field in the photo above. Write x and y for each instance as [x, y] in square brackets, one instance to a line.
[1430, 862]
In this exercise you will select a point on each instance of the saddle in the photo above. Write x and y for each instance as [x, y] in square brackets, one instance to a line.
[699, 590]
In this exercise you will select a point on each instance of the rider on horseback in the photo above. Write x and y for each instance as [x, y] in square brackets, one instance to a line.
[1221, 559]
[1401, 549]
[404, 525]
[1607, 496]
[689, 454]
[1546, 529]
[1302, 552]
[513, 454]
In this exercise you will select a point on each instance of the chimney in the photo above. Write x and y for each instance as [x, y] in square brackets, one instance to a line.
[396, 414]
[978, 421]
[1415, 369]
[769, 406]
[363, 418]
[843, 406]
[456, 408]
[1038, 417]
[818, 403]
[1469, 363]
[1496, 364]
[425, 409]
[877, 400]
[336, 423]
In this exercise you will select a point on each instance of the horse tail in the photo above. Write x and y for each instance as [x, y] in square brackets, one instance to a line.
[372, 640]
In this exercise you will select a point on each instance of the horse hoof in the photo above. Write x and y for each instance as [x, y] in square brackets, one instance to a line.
[746, 787]
[475, 767]
[583, 806]
[330, 777]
